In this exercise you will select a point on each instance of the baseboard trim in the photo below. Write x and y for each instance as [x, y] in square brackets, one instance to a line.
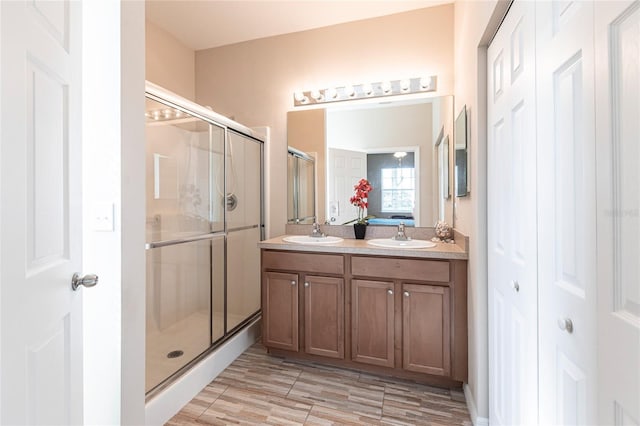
[471, 406]
[166, 404]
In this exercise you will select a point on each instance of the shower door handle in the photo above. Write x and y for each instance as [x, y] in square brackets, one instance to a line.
[88, 280]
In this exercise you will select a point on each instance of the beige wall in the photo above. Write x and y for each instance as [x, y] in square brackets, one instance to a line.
[475, 23]
[254, 81]
[169, 63]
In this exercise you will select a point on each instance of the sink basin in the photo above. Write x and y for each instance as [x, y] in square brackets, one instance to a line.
[305, 239]
[409, 244]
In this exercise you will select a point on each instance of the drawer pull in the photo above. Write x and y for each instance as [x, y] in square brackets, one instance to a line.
[390, 291]
[406, 294]
[306, 284]
[293, 283]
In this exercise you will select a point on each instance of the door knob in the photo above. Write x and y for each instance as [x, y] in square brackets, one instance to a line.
[88, 280]
[565, 324]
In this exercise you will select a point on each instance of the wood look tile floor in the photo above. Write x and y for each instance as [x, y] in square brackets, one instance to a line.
[260, 389]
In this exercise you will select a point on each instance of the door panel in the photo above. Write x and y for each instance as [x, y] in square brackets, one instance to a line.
[426, 325]
[346, 168]
[512, 254]
[41, 223]
[617, 31]
[280, 307]
[243, 176]
[372, 310]
[324, 316]
[566, 212]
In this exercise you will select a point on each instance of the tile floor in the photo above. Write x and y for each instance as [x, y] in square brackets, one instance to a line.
[262, 389]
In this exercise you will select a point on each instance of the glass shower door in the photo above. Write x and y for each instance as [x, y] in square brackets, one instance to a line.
[244, 227]
[185, 237]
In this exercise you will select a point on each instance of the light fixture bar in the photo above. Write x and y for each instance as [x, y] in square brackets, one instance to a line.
[366, 90]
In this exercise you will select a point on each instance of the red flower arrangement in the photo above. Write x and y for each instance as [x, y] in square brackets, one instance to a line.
[360, 199]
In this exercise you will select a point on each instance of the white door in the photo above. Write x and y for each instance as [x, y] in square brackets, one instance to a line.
[511, 230]
[566, 212]
[617, 41]
[345, 168]
[41, 343]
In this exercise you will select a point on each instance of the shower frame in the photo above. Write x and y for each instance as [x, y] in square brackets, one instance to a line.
[171, 100]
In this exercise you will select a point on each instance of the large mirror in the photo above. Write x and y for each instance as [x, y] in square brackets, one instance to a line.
[402, 147]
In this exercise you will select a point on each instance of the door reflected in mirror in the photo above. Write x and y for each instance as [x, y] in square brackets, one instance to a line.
[401, 147]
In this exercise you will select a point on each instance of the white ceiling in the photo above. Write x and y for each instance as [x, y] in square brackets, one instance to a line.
[203, 24]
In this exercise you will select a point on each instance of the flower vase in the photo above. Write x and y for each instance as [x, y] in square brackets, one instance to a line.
[360, 229]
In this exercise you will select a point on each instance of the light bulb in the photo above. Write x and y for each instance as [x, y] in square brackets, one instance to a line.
[315, 94]
[331, 93]
[349, 91]
[156, 115]
[386, 86]
[405, 85]
[425, 82]
[367, 89]
[178, 113]
[299, 96]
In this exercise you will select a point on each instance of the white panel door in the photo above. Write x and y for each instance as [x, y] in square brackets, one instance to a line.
[617, 41]
[566, 212]
[512, 246]
[41, 346]
[345, 168]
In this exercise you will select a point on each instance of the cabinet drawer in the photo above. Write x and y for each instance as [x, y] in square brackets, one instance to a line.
[404, 269]
[303, 262]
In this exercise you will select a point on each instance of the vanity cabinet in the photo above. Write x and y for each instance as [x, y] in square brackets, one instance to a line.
[401, 316]
[320, 328]
[418, 303]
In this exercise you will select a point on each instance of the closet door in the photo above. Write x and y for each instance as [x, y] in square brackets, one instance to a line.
[617, 31]
[512, 249]
[566, 212]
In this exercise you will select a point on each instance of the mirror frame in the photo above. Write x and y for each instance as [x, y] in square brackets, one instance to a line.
[461, 154]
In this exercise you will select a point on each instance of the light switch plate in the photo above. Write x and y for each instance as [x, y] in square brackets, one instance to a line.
[103, 217]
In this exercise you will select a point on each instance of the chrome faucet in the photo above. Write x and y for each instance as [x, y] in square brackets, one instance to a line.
[316, 232]
[401, 236]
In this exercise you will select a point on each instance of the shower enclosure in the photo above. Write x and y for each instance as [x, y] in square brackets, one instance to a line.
[204, 220]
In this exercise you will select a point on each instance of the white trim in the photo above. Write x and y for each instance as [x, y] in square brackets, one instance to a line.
[165, 405]
[471, 407]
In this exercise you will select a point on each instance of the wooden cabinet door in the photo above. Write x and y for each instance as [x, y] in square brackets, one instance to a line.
[324, 316]
[426, 329]
[280, 310]
[372, 335]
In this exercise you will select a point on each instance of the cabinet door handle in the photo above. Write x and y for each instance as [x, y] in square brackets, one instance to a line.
[390, 291]
[293, 283]
[306, 284]
[515, 285]
[406, 294]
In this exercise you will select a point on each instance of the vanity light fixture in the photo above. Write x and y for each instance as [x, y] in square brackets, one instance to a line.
[366, 90]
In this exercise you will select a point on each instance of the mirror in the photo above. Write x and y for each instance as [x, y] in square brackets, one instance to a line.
[461, 174]
[401, 147]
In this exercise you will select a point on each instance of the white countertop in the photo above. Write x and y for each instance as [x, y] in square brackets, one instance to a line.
[353, 246]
